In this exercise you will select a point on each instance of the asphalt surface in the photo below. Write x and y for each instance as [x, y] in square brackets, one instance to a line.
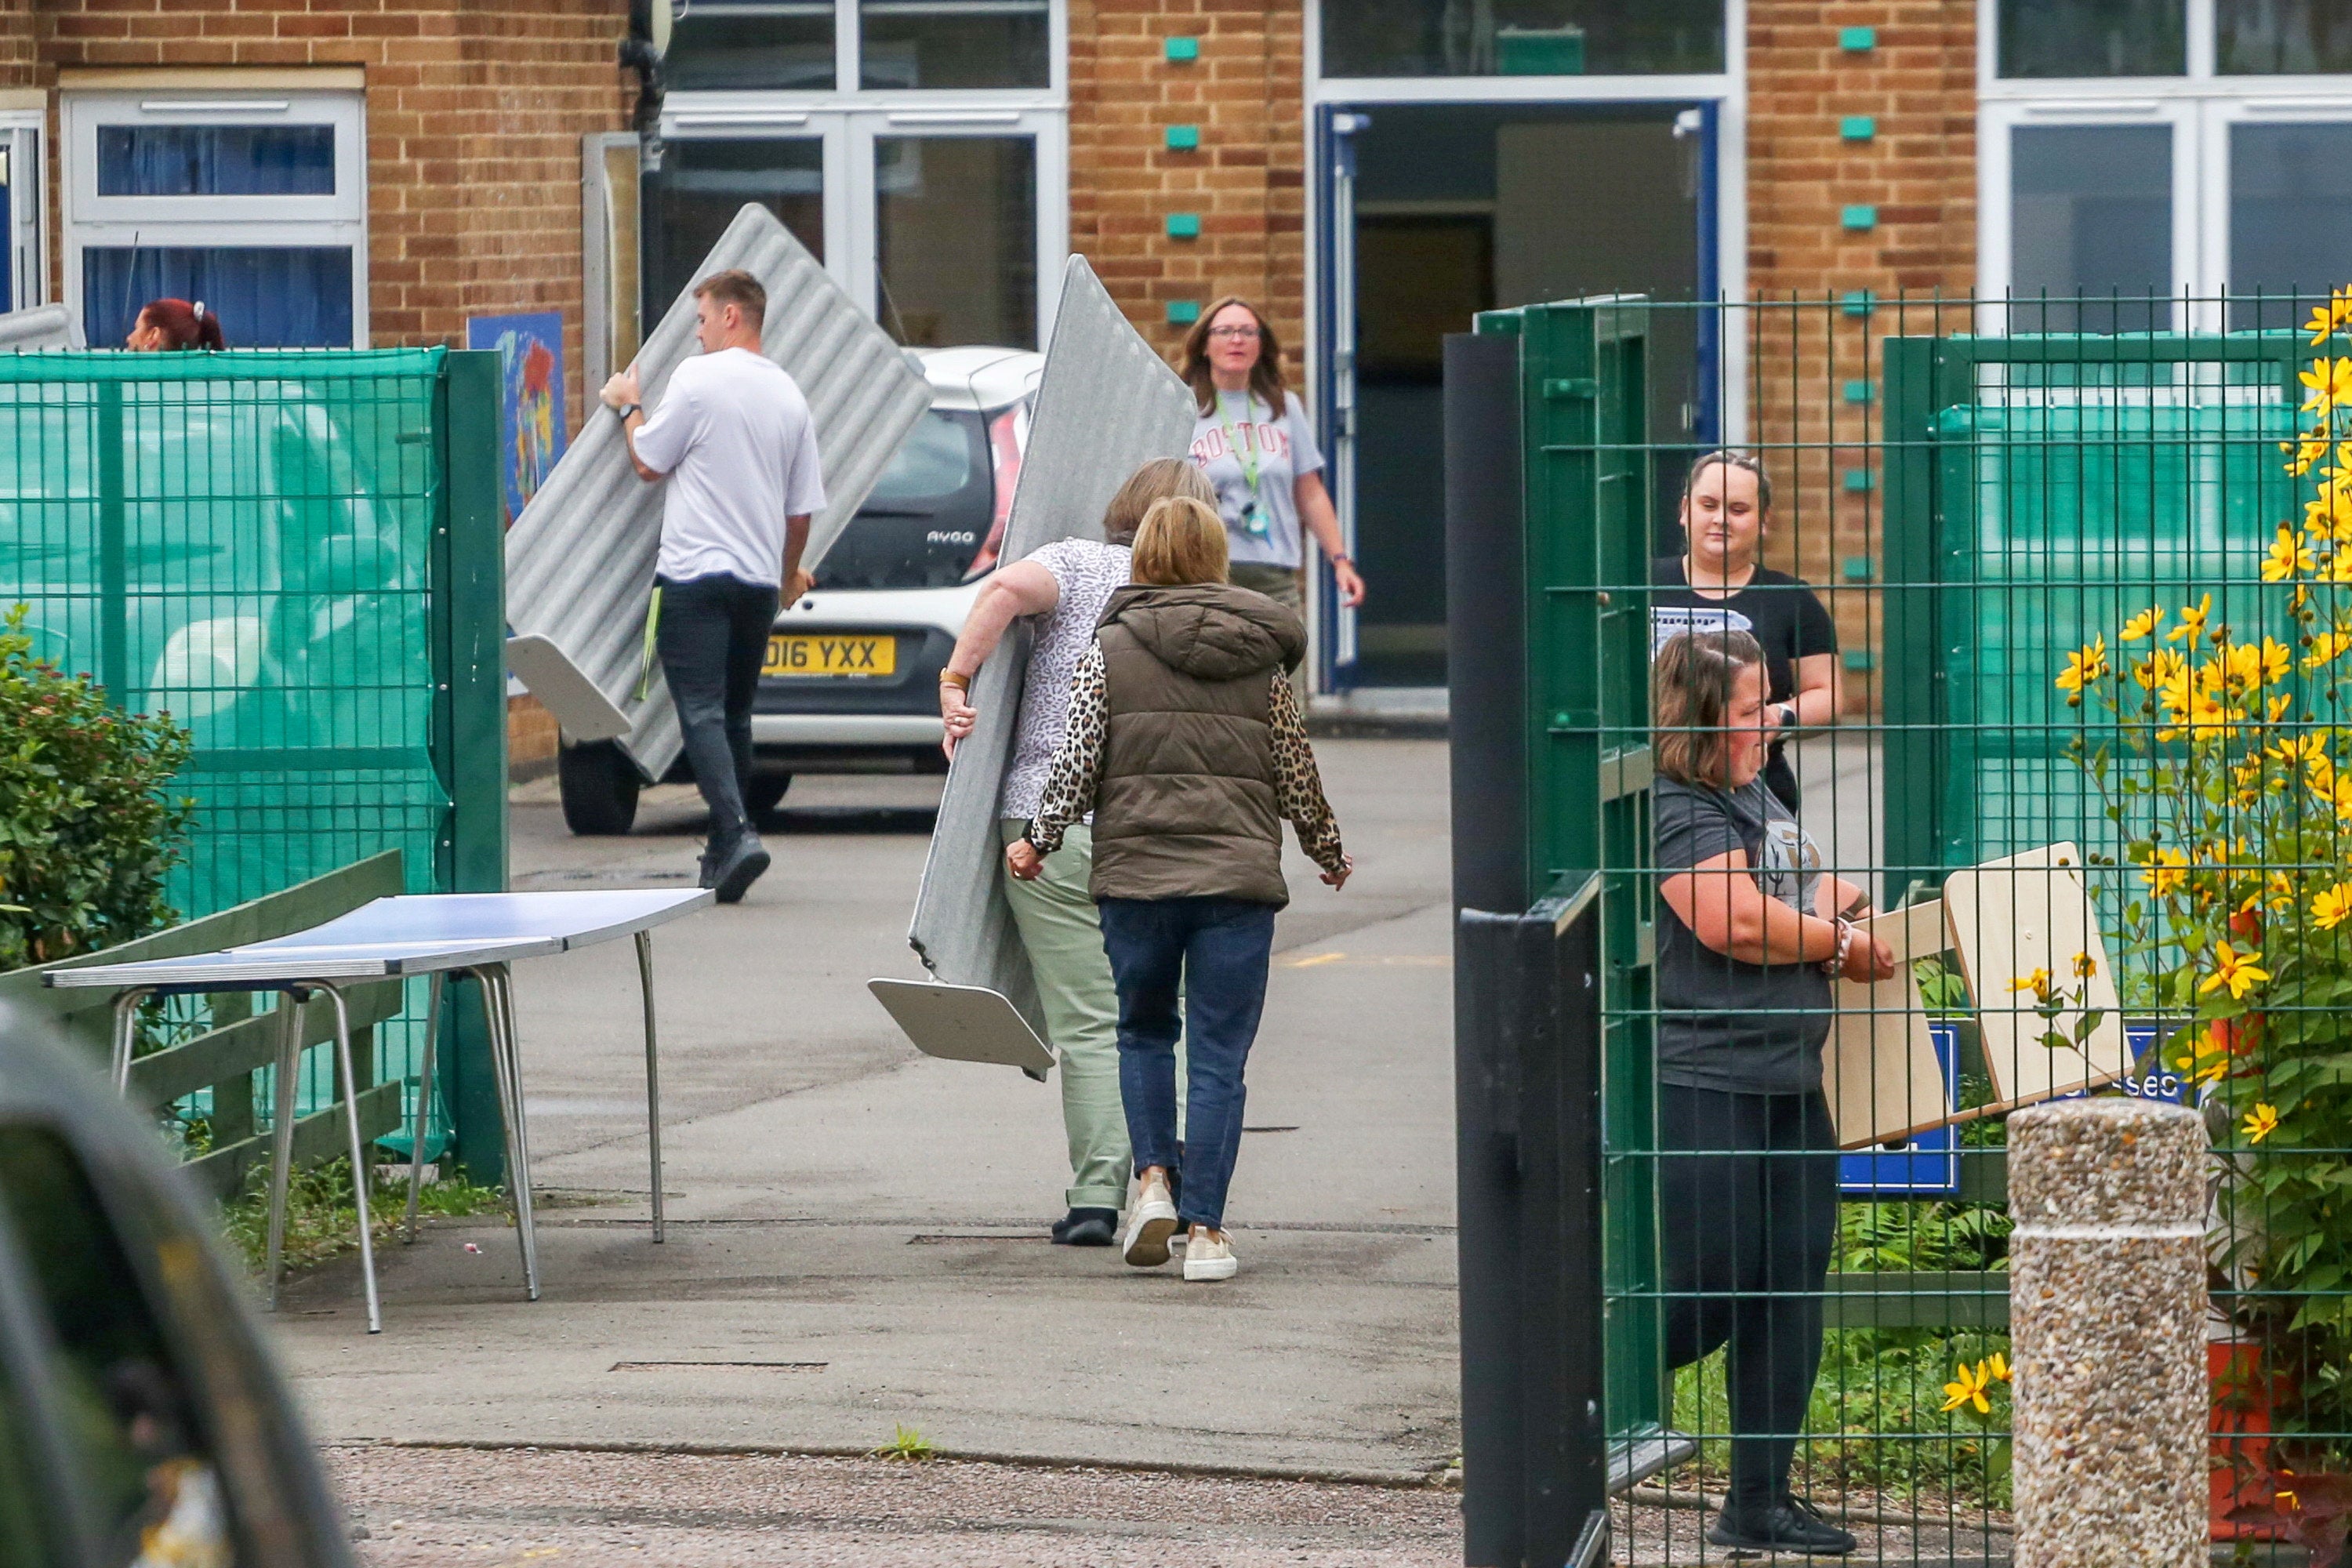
[857, 1232]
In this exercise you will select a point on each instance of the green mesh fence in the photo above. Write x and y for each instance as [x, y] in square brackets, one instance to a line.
[2090, 602]
[257, 544]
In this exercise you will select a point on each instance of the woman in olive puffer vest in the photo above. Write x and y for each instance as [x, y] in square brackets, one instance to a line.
[1185, 742]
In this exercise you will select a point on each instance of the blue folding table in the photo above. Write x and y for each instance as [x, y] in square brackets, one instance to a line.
[435, 934]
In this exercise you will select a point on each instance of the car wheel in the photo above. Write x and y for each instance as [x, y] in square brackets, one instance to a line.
[599, 785]
[767, 792]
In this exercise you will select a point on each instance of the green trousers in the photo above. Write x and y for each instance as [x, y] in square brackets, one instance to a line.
[1059, 927]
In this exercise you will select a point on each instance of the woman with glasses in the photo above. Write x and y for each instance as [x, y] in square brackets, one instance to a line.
[1720, 584]
[1254, 441]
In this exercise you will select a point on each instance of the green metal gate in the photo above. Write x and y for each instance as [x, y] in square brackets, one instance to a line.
[298, 555]
[2089, 610]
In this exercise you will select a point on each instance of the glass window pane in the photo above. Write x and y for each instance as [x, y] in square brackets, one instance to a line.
[266, 297]
[2090, 213]
[2093, 38]
[1520, 37]
[720, 44]
[134, 1426]
[700, 188]
[927, 514]
[2290, 217]
[216, 160]
[2257, 36]
[956, 240]
[954, 43]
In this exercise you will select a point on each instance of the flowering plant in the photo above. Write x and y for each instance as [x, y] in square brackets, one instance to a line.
[2230, 768]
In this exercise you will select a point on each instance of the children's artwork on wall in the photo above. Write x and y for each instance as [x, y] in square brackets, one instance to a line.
[531, 397]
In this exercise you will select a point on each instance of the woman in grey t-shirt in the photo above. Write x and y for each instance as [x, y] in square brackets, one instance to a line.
[1253, 440]
[1751, 929]
[1062, 588]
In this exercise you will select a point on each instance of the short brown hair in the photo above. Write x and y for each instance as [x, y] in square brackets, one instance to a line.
[1691, 683]
[1265, 376]
[1726, 458]
[1181, 540]
[1157, 480]
[737, 287]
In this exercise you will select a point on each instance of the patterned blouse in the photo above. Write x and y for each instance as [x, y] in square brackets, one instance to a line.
[1077, 768]
[1087, 573]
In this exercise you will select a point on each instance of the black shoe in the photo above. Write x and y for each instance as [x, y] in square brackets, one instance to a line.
[1789, 1524]
[706, 874]
[738, 866]
[1087, 1227]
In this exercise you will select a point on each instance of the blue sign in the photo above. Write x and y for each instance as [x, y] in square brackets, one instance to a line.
[1925, 1167]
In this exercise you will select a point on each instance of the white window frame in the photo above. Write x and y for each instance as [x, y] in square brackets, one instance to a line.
[92, 221]
[847, 38]
[2198, 105]
[24, 134]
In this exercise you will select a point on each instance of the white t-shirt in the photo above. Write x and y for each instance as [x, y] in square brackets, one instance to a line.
[733, 433]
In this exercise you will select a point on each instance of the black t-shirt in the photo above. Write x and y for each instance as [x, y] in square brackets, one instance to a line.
[1779, 610]
[1723, 1024]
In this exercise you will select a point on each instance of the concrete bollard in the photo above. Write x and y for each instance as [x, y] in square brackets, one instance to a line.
[2107, 1318]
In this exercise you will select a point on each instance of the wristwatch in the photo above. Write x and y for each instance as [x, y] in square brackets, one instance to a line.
[1787, 712]
[626, 409]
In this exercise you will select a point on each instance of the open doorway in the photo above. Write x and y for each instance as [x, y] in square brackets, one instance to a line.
[1464, 207]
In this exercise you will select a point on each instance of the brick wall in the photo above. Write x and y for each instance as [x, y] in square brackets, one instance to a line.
[1814, 369]
[1246, 180]
[475, 111]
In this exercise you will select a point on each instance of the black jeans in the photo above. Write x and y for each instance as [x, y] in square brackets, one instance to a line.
[713, 638]
[1747, 1222]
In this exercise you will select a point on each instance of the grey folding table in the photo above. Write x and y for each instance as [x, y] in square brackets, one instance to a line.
[434, 934]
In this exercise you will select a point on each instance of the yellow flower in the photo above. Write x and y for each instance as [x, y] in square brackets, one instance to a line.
[2083, 668]
[2326, 649]
[2166, 870]
[2277, 659]
[2289, 555]
[1968, 1387]
[2329, 908]
[2326, 319]
[2241, 972]
[1998, 1366]
[2304, 453]
[2279, 705]
[2140, 625]
[2193, 621]
[2160, 668]
[2261, 1123]
[2085, 966]
[2328, 383]
[2038, 983]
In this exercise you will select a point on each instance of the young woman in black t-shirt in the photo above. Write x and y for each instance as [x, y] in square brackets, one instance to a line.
[1720, 584]
[1751, 929]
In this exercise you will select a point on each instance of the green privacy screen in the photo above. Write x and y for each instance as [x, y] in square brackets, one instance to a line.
[296, 555]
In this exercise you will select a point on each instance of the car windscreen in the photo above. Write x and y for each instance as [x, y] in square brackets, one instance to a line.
[929, 512]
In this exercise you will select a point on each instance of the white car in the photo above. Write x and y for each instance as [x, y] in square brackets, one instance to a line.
[851, 683]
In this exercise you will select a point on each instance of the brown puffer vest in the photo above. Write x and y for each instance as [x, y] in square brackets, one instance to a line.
[1186, 803]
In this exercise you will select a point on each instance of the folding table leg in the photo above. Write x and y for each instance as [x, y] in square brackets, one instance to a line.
[653, 1073]
[499, 982]
[126, 1034]
[359, 1151]
[281, 1130]
[424, 1096]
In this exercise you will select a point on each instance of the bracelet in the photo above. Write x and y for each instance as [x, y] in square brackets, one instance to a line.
[1835, 964]
[960, 682]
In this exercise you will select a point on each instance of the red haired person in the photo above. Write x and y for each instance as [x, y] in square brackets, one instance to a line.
[164, 325]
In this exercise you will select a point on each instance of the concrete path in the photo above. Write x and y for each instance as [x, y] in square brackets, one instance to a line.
[857, 1232]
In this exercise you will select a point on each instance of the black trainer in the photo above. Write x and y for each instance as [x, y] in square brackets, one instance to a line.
[1087, 1227]
[738, 866]
[1788, 1524]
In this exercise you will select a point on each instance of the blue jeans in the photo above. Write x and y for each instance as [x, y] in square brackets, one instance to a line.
[1217, 948]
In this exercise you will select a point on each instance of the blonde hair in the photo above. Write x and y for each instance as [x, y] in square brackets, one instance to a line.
[1158, 479]
[1181, 540]
[1691, 683]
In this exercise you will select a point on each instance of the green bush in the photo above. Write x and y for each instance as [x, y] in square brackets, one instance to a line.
[87, 833]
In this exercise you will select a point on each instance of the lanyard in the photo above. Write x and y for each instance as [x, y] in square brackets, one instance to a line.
[1248, 460]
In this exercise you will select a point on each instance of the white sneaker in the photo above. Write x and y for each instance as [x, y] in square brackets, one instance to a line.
[1150, 1222]
[1210, 1258]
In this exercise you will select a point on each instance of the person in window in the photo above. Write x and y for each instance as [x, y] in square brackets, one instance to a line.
[1751, 933]
[167, 325]
[1720, 584]
[1061, 590]
[1185, 741]
[1253, 440]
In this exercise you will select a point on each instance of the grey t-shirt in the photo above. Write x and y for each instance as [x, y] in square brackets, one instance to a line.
[1723, 1024]
[1261, 520]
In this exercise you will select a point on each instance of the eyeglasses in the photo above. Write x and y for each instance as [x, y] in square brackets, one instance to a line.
[1232, 331]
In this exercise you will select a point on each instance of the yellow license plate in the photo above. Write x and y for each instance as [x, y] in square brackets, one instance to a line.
[803, 654]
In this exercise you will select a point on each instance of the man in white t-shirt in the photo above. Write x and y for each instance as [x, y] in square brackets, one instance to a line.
[734, 438]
